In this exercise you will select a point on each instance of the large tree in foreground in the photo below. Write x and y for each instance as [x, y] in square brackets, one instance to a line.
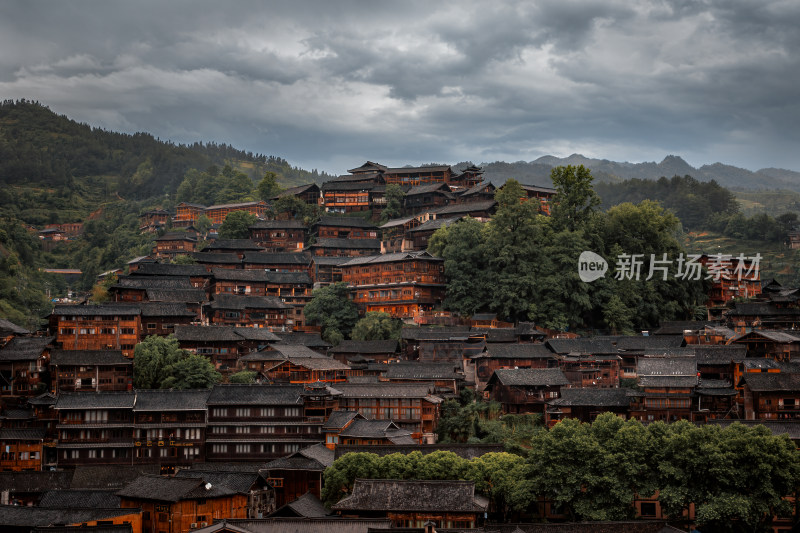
[236, 225]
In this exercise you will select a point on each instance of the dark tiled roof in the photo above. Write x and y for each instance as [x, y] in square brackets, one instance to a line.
[108, 477]
[44, 399]
[80, 499]
[255, 395]
[760, 309]
[593, 398]
[392, 257]
[428, 188]
[168, 269]
[397, 495]
[771, 381]
[318, 363]
[668, 381]
[347, 244]
[302, 525]
[34, 481]
[640, 342]
[339, 419]
[164, 309]
[20, 516]
[344, 222]
[176, 236]
[232, 244]
[667, 366]
[96, 400]
[171, 489]
[423, 371]
[240, 482]
[366, 347]
[312, 340]
[206, 333]
[256, 334]
[434, 224]
[8, 327]
[276, 258]
[216, 258]
[237, 274]
[530, 377]
[318, 452]
[711, 354]
[233, 301]
[587, 345]
[88, 358]
[519, 351]
[171, 400]
[294, 462]
[466, 208]
[383, 390]
[177, 295]
[373, 429]
[9, 434]
[434, 334]
[278, 224]
[306, 505]
[296, 351]
[781, 337]
[364, 185]
[154, 282]
[96, 310]
[25, 348]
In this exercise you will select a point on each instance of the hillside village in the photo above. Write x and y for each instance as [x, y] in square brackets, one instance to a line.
[83, 447]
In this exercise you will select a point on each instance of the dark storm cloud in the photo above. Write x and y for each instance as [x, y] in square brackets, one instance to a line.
[327, 84]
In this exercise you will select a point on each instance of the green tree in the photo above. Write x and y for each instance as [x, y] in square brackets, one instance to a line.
[244, 376]
[575, 199]
[337, 480]
[236, 187]
[332, 308]
[100, 292]
[193, 371]
[377, 326]
[463, 247]
[514, 247]
[202, 225]
[236, 225]
[152, 358]
[268, 187]
[183, 260]
[617, 316]
[159, 363]
[395, 197]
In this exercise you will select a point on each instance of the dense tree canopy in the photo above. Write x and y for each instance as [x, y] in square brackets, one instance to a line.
[159, 363]
[236, 225]
[377, 326]
[332, 308]
[523, 265]
[737, 476]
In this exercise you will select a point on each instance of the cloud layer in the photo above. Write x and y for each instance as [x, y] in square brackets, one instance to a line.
[329, 84]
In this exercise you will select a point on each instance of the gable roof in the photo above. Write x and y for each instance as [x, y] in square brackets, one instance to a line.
[340, 418]
[171, 400]
[587, 345]
[529, 377]
[176, 295]
[96, 310]
[206, 333]
[278, 224]
[373, 429]
[772, 382]
[96, 400]
[239, 481]
[276, 258]
[29, 517]
[169, 269]
[312, 340]
[347, 244]
[218, 258]
[590, 397]
[79, 499]
[235, 301]
[108, 477]
[34, 481]
[232, 244]
[8, 327]
[366, 347]
[344, 222]
[404, 495]
[88, 358]
[153, 282]
[306, 505]
[384, 390]
[518, 351]
[416, 370]
[25, 348]
[231, 394]
[171, 489]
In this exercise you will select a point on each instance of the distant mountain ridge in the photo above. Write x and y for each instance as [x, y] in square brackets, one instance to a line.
[538, 172]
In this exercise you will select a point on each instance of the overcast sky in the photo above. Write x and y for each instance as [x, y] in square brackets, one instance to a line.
[331, 84]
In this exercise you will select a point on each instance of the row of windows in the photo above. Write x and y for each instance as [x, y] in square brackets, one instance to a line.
[243, 412]
[253, 448]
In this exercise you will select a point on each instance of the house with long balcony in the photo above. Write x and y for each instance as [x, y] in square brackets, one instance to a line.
[405, 285]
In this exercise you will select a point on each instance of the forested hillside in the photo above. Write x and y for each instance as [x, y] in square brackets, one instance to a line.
[39, 147]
